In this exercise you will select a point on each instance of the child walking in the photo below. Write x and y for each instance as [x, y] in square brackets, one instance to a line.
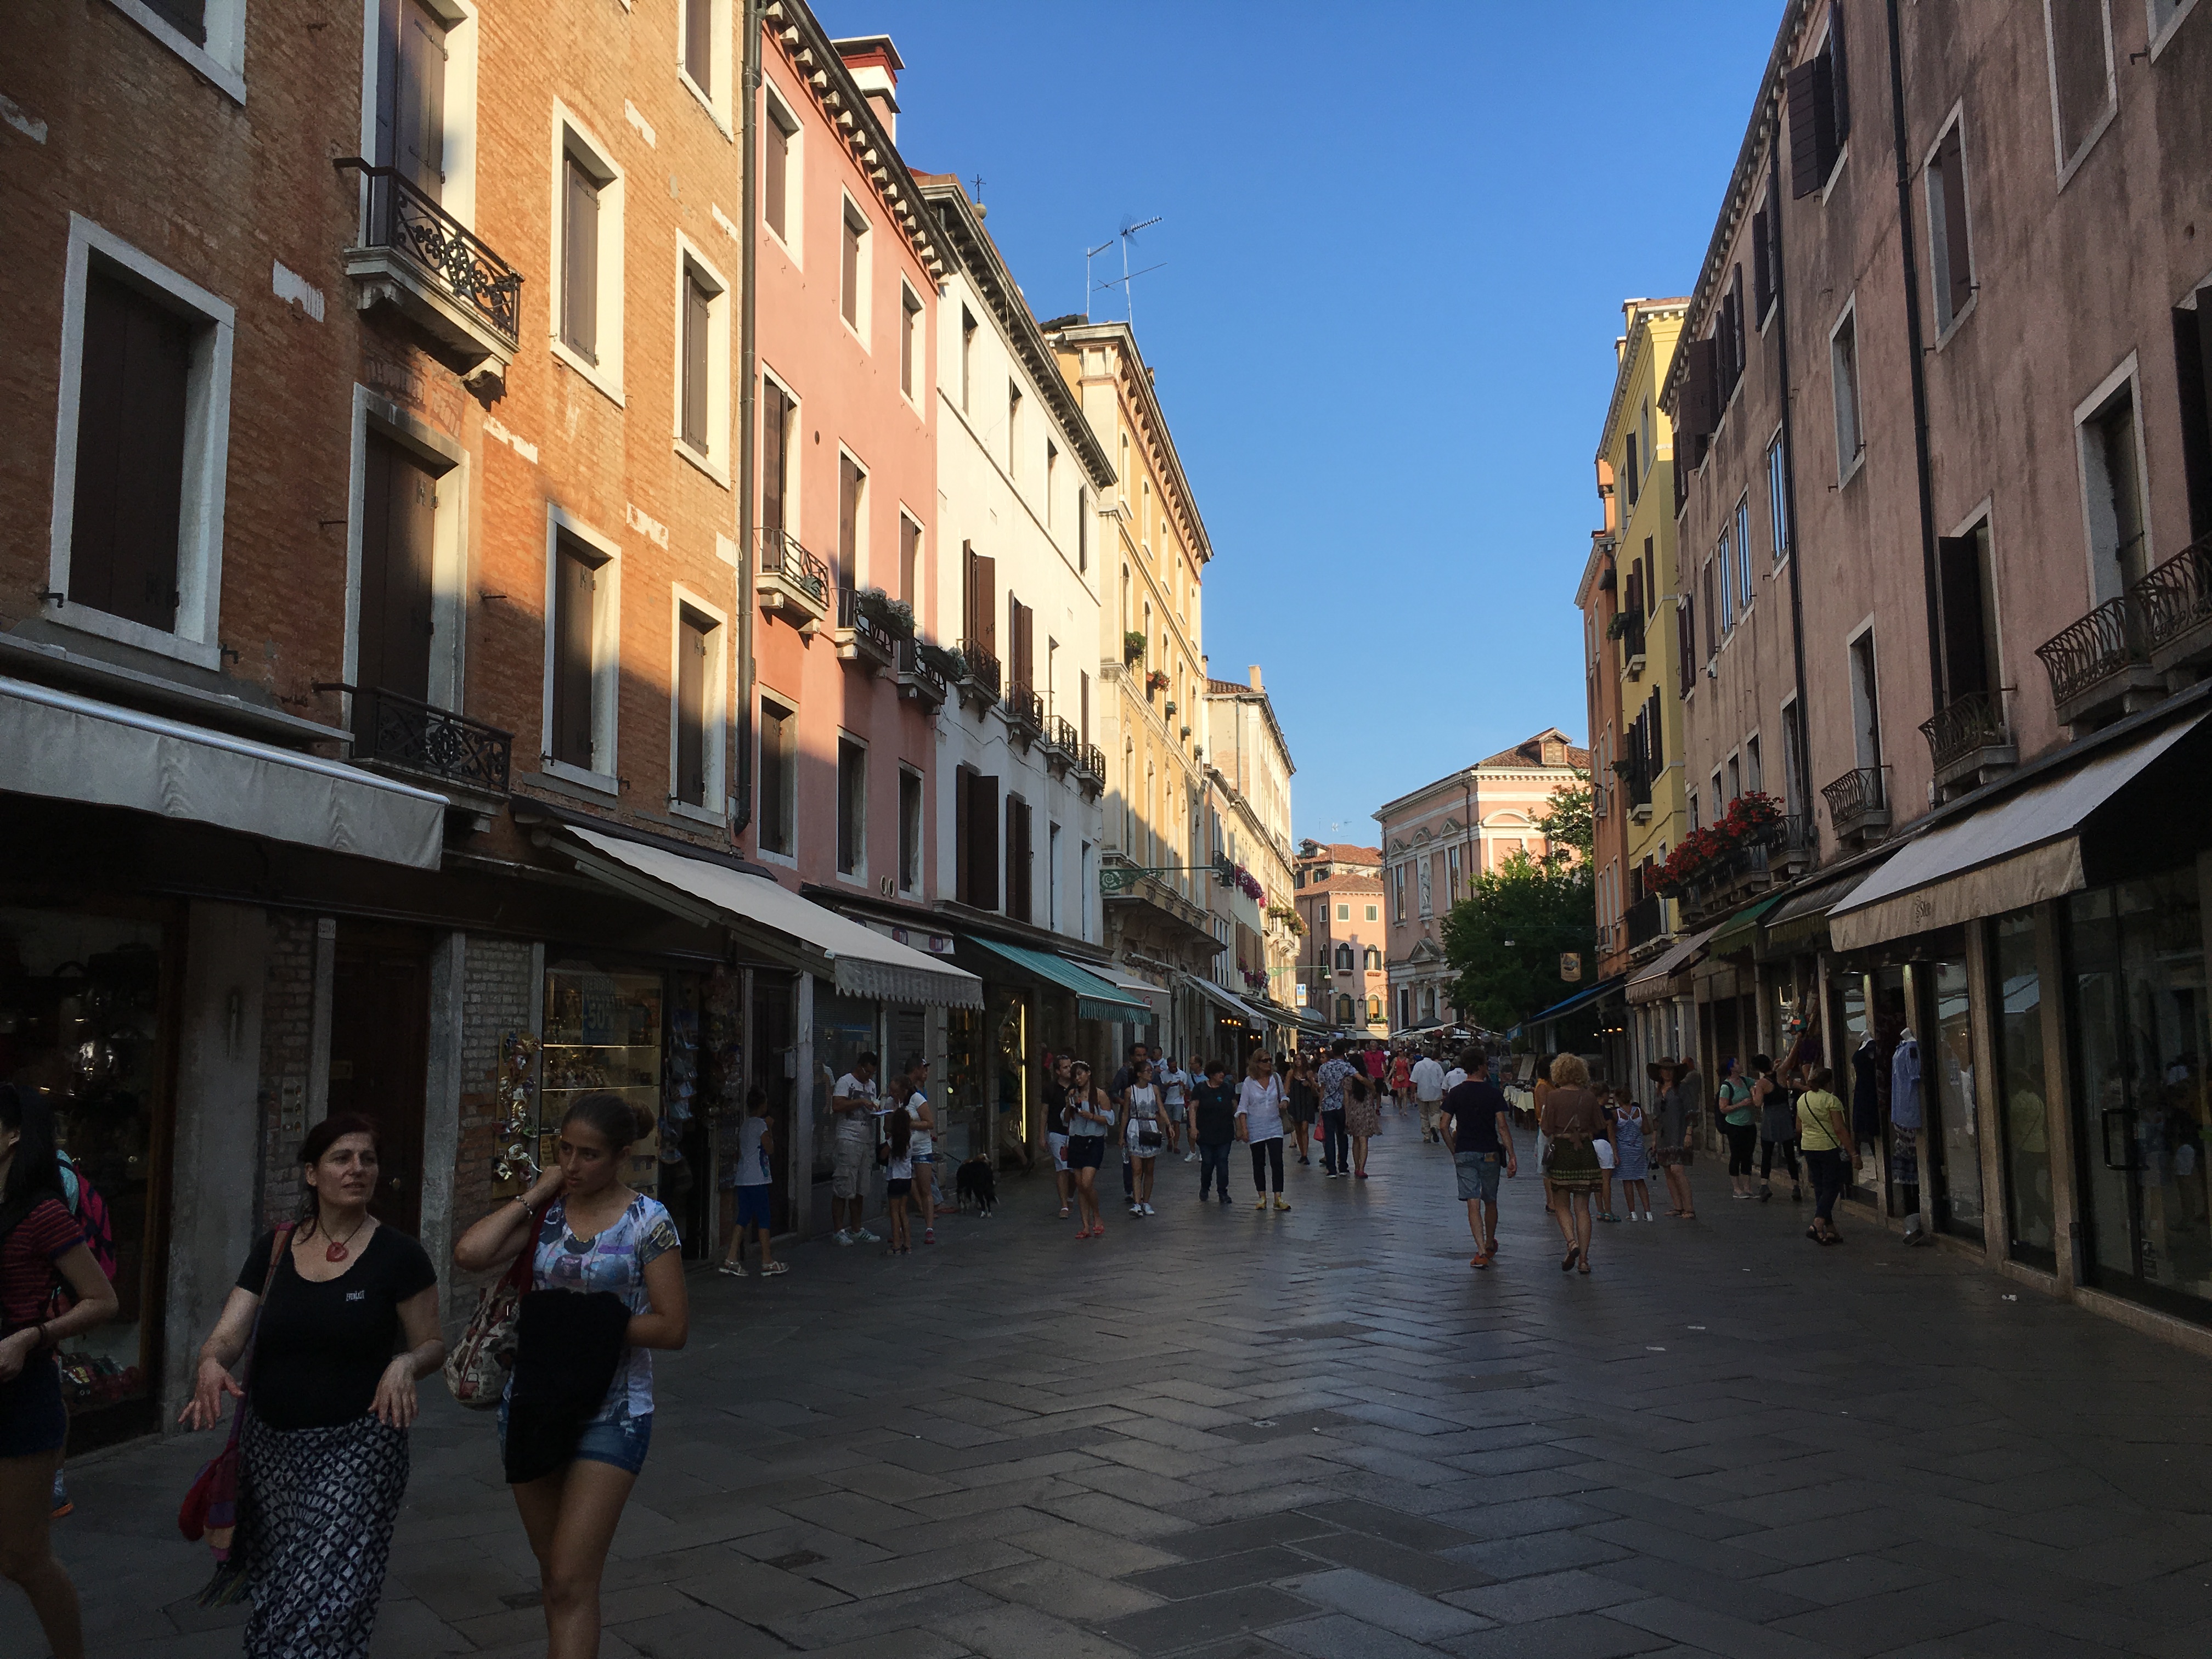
[898, 1184]
[1631, 1157]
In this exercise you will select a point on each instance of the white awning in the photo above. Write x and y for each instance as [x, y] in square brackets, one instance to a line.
[1655, 982]
[1154, 997]
[1235, 1006]
[862, 962]
[2026, 848]
[67, 747]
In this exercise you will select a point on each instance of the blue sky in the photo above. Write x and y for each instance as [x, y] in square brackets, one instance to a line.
[1395, 240]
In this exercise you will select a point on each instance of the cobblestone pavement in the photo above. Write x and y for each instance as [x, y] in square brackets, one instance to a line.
[1223, 1433]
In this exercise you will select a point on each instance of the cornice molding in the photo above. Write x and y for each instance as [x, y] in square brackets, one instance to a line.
[1133, 383]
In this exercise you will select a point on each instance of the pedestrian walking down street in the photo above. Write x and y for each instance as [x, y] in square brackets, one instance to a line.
[1739, 1123]
[898, 1177]
[1213, 1126]
[1778, 1128]
[1605, 1158]
[1330, 1080]
[1145, 1136]
[41, 1244]
[1478, 1124]
[1427, 1081]
[754, 1189]
[1630, 1157]
[1401, 1082]
[607, 1288]
[1176, 1083]
[322, 1304]
[1363, 1121]
[921, 1149]
[1260, 1125]
[1304, 1102]
[1118, 1093]
[1056, 1130]
[1089, 1121]
[1542, 1091]
[853, 1102]
[1681, 1097]
[1825, 1133]
[1375, 1062]
[1574, 1123]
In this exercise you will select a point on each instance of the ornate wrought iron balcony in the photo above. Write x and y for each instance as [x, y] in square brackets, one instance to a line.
[2175, 601]
[414, 737]
[2100, 663]
[1094, 762]
[1646, 920]
[1024, 709]
[921, 671]
[436, 270]
[789, 577]
[982, 668]
[861, 635]
[1968, 739]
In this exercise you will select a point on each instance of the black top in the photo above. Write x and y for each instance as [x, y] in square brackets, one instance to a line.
[1055, 1106]
[321, 1348]
[1214, 1111]
[1474, 1107]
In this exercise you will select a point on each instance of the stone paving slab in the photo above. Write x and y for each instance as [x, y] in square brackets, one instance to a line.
[1318, 1435]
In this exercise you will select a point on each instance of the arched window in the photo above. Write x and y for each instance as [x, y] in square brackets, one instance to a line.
[1374, 959]
[1344, 959]
[1344, 1011]
[1374, 1010]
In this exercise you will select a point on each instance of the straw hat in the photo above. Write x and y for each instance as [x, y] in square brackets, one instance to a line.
[1656, 1066]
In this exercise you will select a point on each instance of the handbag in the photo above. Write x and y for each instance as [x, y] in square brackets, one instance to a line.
[211, 1508]
[475, 1370]
[1149, 1138]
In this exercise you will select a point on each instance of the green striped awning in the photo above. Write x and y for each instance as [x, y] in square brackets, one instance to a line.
[1740, 930]
[1095, 998]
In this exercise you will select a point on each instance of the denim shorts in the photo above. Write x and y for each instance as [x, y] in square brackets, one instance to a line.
[620, 1440]
[1477, 1176]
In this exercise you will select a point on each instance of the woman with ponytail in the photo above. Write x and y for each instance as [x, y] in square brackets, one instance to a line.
[606, 1289]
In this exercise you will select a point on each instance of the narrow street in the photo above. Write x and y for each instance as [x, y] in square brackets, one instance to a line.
[1225, 1433]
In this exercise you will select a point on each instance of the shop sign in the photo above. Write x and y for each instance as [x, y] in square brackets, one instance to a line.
[1299, 996]
[1571, 966]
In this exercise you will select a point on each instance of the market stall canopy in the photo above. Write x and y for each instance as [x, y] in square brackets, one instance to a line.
[2021, 850]
[1655, 982]
[1095, 998]
[861, 962]
[70, 747]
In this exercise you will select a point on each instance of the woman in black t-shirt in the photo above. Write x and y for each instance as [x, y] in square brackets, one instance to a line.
[347, 1322]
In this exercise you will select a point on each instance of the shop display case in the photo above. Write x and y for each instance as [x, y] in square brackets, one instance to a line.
[603, 1031]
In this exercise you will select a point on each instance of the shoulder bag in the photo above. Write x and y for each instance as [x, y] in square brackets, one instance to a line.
[211, 1508]
[476, 1370]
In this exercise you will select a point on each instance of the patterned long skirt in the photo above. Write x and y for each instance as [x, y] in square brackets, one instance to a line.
[319, 1506]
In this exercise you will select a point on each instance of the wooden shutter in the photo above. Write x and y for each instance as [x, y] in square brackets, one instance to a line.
[699, 43]
[1628, 468]
[1633, 599]
[1696, 407]
[1800, 92]
[1966, 652]
[906, 344]
[1083, 706]
[1950, 158]
[848, 521]
[399, 501]
[691, 659]
[135, 376]
[1686, 640]
[580, 264]
[1839, 85]
[852, 783]
[1656, 738]
[963, 883]
[776, 166]
[420, 135]
[775, 781]
[575, 602]
[1762, 266]
[1022, 646]
[775, 439]
[984, 603]
[1018, 858]
[910, 558]
[2192, 360]
[1713, 639]
[982, 841]
[1650, 579]
[850, 272]
[697, 318]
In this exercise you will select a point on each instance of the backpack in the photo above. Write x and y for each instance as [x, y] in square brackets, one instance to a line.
[90, 1210]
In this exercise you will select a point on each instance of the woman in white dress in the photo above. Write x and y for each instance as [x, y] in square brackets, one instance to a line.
[1147, 1134]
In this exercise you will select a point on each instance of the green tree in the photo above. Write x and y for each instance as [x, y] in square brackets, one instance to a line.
[1507, 938]
[1569, 822]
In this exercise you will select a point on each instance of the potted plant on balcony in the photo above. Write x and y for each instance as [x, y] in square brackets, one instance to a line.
[1622, 622]
[894, 617]
[1156, 681]
[1133, 646]
[946, 660]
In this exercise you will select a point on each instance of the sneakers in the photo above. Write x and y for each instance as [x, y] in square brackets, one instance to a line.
[1262, 1203]
[735, 1269]
[770, 1269]
[1135, 1209]
[842, 1236]
[1765, 1192]
[1190, 1158]
[1148, 1209]
[1282, 1203]
[1607, 1215]
[929, 1235]
[62, 1504]
[863, 1236]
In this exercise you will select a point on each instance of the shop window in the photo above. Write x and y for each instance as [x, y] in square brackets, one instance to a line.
[603, 1030]
[779, 779]
[1948, 1082]
[2031, 1224]
[910, 831]
[851, 808]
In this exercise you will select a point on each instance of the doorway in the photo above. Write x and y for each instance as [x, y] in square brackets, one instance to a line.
[380, 1055]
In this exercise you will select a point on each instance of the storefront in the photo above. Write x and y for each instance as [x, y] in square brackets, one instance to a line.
[1039, 1007]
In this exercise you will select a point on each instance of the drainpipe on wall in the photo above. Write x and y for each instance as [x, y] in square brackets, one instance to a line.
[1912, 336]
[1803, 760]
[755, 14]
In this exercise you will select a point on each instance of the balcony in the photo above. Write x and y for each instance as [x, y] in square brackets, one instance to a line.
[1646, 920]
[1781, 851]
[864, 633]
[1144, 903]
[1024, 712]
[1969, 742]
[1627, 627]
[1090, 768]
[417, 257]
[1635, 775]
[978, 679]
[791, 580]
[920, 672]
[2100, 666]
[1062, 744]
[464, 758]
[2175, 601]
[1858, 804]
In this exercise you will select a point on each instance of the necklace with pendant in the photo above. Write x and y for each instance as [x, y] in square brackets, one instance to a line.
[336, 1249]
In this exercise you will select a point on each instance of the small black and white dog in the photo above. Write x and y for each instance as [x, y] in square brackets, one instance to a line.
[977, 1180]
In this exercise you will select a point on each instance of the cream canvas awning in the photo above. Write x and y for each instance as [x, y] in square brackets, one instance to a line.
[2023, 850]
[861, 962]
[67, 747]
[1653, 984]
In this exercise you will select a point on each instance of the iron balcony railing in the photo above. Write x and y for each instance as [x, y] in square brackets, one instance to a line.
[2107, 642]
[918, 660]
[1858, 797]
[982, 666]
[1635, 775]
[1967, 724]
[1094, 761]
[781, 555]
[2177, 597]
[1063, 737]
[864, 623]
[402, 218]
[1023, 706]
[400, 730]
[1646, 918]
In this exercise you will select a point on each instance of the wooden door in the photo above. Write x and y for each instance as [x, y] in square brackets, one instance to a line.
[380, 1055]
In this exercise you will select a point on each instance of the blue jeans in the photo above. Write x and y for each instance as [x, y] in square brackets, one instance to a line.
[1213, 1165]
[1335, 1142]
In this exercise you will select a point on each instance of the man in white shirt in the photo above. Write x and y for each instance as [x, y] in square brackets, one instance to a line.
[1175, 1096]
[853, 1102]
[1429, 1090]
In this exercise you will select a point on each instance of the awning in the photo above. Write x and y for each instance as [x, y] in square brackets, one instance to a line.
[1802, 917]
[1095, 999]
[70, 747]
[1655, 982]
[2023, 850]
[1153, 998]
[861, 962]
[1581, 999]
[1738, 931]
[1236, 1007]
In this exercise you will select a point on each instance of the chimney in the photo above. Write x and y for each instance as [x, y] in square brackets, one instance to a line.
[875, 64]
[1253, 675]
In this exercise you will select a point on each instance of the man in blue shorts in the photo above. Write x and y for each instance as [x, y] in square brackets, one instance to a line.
[1478, 1125]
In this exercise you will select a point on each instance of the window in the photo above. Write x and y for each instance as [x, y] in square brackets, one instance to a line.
[1767, 254]
[1844, 375]
[1052, 876]
[1951, 260]
[1743, 587]
[1019, 862]
[1727, 336]
[909, 333]
[1405, 1009]
[2112, 488]
[1344, 1011]
[1371, 910]
[1082, 529]
[1346, 959]
[398, 610]
[703, 397]
[1374, 1010]
[2166, 16]
[208, 34]
[1628, 467]
[1866, 703]
[779, 779]
[980, 619]
[1344, 912]
[1712, 634]
[1753, 773]
[412, 96]
[1452, 873]
[2081, 87]
[909, 559]
[587, 257]
[1371, 959]
[976, 838]
[2192, 365]
[1013, 430]
[698, 734]
[779, 146]
[852, 269]
[580, 659]
[139, 472]
[1778, 498]
[1967, 626]
[1051, 477]
[851, 808]
[778, 409]
[966, 359]
[1082, 706]
[1720, 799]
[1793, 758]
[699, 44]
[852, 519]
[1818, 95]
[1727, 565]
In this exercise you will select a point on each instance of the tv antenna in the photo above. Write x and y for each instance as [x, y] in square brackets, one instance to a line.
[1126, 235]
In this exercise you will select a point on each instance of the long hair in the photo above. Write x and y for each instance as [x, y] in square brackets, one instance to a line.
[35, 1173]
[899, 1127]
[320, 1138]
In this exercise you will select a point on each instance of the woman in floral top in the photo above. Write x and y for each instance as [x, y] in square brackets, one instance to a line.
[592, 1233]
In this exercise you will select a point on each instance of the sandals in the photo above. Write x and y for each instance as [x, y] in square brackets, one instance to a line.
[774, 1267]
[1582, 1268]
[1574, 1251]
